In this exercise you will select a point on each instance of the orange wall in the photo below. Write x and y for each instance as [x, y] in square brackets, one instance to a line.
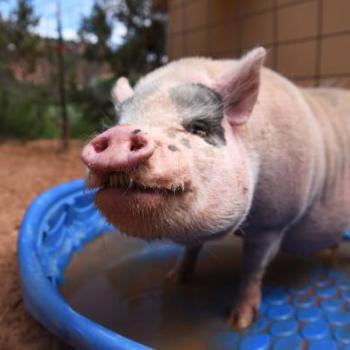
[308, 40]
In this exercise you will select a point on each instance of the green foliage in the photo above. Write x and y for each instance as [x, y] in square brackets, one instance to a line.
[24, 44]
[24, 108]
[144, 46]
[94, 111]
[29, 111]
[26, 113]
[98, 26]
[23, 16]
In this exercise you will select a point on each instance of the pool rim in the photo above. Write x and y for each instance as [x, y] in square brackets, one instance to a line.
[43, 300]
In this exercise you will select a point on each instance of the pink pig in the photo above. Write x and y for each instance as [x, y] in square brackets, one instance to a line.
[206, 147]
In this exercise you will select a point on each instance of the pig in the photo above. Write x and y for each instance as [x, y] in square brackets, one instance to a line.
[203, 148]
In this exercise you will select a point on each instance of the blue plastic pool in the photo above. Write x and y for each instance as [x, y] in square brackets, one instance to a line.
[61, 221]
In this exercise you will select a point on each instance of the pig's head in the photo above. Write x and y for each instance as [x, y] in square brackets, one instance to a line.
[176, 164]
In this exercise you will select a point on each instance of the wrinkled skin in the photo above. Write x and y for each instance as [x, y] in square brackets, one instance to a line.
[204, 147]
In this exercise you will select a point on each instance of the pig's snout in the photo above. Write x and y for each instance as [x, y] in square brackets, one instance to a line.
[119, 148]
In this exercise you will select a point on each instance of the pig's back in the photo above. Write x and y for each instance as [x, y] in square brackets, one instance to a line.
[331, 108]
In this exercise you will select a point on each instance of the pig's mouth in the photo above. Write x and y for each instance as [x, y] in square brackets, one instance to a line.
[123, 181]
[136, 207]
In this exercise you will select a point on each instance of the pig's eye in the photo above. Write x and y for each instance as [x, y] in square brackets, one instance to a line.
[198, 128]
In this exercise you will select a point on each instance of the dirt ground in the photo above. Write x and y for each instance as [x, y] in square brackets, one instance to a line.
[25, 171]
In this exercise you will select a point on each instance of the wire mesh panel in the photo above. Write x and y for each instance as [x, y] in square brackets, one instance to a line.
[308, 40]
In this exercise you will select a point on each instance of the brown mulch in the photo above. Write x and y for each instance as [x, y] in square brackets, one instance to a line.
[25, 171]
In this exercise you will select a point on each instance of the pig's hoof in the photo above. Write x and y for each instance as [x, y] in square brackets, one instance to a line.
[242, 316]
[178, 277]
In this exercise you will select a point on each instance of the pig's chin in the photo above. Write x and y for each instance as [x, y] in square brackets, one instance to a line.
[127, 200]
[157, 215]
[137, 213]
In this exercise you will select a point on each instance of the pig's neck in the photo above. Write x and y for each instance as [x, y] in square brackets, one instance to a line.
[283, 147]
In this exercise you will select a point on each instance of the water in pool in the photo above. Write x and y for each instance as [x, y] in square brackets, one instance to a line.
[120, 283]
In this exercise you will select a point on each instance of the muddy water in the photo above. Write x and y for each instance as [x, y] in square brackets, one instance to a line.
[119, 282]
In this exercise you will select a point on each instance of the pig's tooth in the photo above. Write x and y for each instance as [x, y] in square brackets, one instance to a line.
[91, 180]
[122, 180]
[113, 180]
[126, 180]
[96, 180]
[117, 179]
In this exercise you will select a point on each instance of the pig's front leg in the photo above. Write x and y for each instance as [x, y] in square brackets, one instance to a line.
[257, 254]
[184, 268]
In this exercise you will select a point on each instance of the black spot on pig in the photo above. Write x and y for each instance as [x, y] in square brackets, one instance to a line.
[136, 131]
[201, 110]
[173, 148]
[185, 142]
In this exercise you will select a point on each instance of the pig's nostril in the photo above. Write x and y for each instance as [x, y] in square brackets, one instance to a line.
[137, 142]
[136, 145]
[100, 144]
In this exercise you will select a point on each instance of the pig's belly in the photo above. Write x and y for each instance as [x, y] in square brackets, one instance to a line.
[306, 243]
[322, 227]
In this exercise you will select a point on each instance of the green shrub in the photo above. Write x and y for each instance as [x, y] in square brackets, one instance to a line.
[25, 113]
[32, 112]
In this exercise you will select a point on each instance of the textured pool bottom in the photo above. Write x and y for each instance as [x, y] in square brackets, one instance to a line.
[314, 317]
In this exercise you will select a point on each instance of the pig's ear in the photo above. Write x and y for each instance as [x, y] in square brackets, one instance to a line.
[121, 90]
[239, 87]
